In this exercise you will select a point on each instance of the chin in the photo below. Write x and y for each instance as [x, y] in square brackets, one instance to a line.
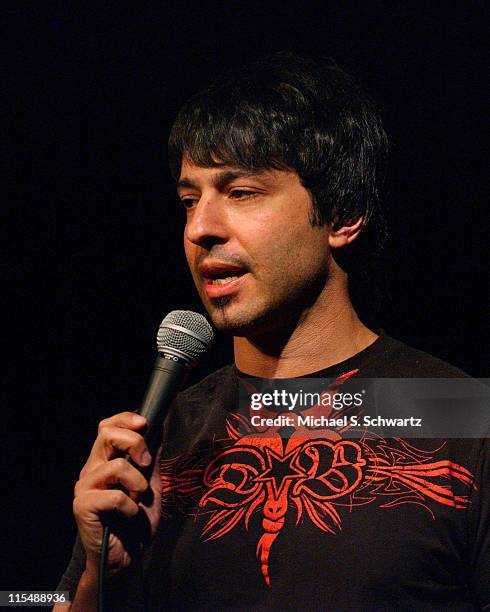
[242, 322]
[228, 318]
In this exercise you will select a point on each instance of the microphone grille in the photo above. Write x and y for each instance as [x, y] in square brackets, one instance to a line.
[185, 331]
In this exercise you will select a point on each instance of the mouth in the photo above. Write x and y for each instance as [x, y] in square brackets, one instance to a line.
[222, 279]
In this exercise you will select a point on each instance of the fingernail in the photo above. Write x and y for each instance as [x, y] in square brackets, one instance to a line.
[146, 458]
[137, 419]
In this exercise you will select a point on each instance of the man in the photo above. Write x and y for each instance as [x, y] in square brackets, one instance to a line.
[278, 167]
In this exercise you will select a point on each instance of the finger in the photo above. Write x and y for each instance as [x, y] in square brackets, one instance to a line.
[97, 502]
[113, 441]
[156, 479]
[115, 472]
[127, 420]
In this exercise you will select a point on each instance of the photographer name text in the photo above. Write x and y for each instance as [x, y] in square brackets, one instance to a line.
[298, 420]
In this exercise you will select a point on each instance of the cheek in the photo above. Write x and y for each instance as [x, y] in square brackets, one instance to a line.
[191, 256]
[294, 240]
[188, 249]
[302, 257]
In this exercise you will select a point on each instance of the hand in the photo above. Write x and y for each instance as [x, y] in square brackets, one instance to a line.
[133, 512]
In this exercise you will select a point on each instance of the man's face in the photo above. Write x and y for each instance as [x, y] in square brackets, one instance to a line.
[255, 257]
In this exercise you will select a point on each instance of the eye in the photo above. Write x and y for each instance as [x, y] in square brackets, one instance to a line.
[187, 203]
[240, 194]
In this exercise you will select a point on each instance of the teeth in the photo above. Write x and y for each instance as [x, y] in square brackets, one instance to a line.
[222, 281]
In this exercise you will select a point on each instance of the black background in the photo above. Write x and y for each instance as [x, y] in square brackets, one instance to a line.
[93, 255]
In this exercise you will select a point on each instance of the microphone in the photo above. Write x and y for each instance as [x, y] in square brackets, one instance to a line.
[183, 338]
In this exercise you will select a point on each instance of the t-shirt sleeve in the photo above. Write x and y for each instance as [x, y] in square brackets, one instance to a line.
[71, 577]
[479, 531]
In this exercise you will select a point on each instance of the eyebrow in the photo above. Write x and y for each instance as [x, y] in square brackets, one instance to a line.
[221, 179]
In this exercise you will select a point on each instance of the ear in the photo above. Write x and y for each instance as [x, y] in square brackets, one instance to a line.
[346, 234]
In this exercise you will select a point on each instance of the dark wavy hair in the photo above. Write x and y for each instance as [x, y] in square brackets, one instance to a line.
[287, 111]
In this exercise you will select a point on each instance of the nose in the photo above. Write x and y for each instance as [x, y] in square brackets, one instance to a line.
[206, 224]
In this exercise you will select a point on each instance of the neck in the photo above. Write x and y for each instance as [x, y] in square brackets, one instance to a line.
[328, 333]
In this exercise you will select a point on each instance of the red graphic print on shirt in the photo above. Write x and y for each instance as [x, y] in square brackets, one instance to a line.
[313, 474]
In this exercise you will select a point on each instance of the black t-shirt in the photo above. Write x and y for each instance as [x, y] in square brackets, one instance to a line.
[262, 519]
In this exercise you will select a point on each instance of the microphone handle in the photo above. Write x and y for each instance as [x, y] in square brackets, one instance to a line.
[169, 374]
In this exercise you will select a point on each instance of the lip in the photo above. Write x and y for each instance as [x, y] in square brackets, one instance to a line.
[217, 291]
[212, 268]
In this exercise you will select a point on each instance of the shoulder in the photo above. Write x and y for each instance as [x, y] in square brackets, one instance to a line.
[396, 359]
